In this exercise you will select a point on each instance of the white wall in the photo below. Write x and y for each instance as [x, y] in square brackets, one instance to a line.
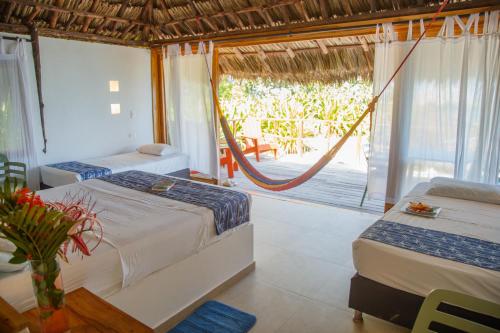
[75, 84]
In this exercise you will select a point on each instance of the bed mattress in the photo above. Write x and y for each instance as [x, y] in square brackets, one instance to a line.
[419, 273]
[117, 163]
[143, 233]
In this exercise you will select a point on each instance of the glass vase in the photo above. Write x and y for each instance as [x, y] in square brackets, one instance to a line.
[49, 294]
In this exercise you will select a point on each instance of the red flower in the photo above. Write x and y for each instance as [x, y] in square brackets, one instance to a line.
[25, 196]
[80, 244]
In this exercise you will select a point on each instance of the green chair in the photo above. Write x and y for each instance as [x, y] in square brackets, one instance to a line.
[430, 313]
[14, 171]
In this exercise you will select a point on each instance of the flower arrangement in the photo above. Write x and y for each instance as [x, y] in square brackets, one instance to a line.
[41, 232]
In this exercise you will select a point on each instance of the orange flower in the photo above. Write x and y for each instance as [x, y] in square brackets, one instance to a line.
[25, 195]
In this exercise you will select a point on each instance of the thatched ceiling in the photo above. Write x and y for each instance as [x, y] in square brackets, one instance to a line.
[326, 60]
[141, 21]
[154, 22]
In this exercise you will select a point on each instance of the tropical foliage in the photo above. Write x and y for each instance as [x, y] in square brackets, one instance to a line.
[288, 112]
[43, 230]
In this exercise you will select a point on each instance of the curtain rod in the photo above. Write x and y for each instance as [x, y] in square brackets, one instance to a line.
[15, 38]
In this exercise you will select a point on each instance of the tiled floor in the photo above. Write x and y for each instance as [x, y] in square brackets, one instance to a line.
[303, 256]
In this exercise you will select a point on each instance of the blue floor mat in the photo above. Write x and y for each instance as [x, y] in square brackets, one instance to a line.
[215, 317]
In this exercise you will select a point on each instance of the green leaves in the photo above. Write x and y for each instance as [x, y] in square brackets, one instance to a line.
[328, 110]
[36, 231]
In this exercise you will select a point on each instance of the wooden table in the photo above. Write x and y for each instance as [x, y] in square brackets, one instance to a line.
[88, 313]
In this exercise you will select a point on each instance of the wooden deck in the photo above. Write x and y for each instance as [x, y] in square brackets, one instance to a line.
[335, 185]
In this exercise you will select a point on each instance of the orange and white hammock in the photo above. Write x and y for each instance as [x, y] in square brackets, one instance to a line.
[260, 179]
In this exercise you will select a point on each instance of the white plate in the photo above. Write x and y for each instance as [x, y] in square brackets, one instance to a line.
[435, 211]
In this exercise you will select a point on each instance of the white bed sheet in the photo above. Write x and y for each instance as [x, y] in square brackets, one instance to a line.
[118, 163]
[143, 233]
[419, 273]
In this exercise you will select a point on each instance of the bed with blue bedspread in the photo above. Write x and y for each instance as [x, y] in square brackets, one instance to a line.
[408, 256]
[58, 174]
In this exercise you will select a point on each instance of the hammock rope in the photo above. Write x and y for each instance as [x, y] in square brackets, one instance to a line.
[265, 182]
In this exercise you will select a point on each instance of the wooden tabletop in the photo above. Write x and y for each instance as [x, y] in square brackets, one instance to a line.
[89, 313]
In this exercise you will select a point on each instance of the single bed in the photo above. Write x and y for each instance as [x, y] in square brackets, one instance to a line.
[154, 253]
[392, 281]
[59, 174]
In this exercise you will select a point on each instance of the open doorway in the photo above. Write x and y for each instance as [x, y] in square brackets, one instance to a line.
[289, 103]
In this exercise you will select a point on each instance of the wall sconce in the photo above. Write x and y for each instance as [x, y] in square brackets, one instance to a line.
[115, 109]
[114, 86]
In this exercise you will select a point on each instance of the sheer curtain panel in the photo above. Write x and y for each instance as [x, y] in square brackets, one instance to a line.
[17, 108]
[441, 116]
[190, 113]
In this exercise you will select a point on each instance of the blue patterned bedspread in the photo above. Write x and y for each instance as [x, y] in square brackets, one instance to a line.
[467, 250]
[230, 208]
[86, 171]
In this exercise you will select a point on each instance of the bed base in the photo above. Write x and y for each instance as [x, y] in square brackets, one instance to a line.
[401, 307]
[376, 299]
[166, 297]
[184, 313]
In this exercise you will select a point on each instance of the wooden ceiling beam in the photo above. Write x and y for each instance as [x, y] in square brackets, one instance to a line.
[325, 28]
[147, 19]
[203, 18]
[265, 15]
[101, 26]
[127, 29]
[87, 14]
[285, 14]
[236, 19]
[70, 22]
[75, 35]
[323, 6]
[164, 9]
[291, 51]
[322, 46]
[224, 18]
[89, 19]
[302, 10]
[34, 13]
[8, 12]
[55, 15]
[121, 12]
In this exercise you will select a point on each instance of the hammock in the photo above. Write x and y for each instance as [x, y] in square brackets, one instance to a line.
[260, 179]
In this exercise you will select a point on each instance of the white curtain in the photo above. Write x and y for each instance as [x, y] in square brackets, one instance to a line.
[190, 113]
[441, 116]
[17, 108]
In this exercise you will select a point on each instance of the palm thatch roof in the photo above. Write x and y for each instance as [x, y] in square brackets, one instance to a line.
[153, 23]
[138, 22]
[325, 60]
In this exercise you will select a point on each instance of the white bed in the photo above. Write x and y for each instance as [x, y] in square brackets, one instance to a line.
[154, 252]
[117, 163]
[418, 273]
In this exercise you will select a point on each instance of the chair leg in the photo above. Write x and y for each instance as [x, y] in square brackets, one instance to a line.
[236, 167]
[275, 152]
[364, 196]
[257, 154]
[230, 171]
[358, 316]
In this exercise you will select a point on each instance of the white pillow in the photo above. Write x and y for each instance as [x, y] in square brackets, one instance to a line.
[458, 189]
[5, 267]
[6, 245]
[158, 149]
